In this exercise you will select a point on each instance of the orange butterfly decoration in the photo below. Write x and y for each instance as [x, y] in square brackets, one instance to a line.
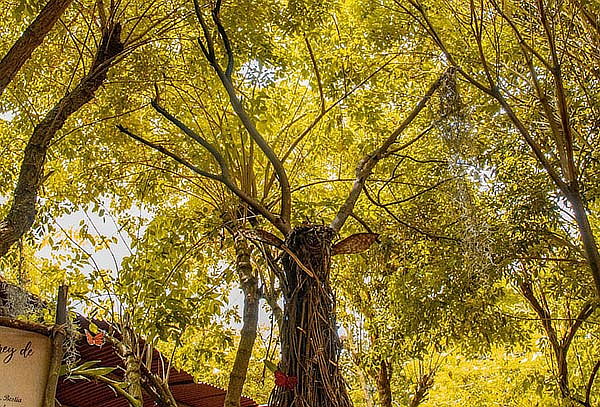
[97, 340]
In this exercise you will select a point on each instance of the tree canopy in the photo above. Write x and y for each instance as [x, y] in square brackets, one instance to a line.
[383, 202]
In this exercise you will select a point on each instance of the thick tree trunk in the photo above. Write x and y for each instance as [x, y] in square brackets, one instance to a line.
[249, 284]
[31, 38]
[23, 210]
[310, 345]
[382, 381]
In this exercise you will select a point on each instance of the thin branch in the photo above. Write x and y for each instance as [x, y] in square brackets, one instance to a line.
[362, 222]
[226, 43]
[406, 224]
[196, 137]
[586, 311]
[209, 49]
[588, 388]
[221, 178]
[317, 72]
[168, 153]
[366, 165]
[421, 192]
[321, 115]
[285, 213]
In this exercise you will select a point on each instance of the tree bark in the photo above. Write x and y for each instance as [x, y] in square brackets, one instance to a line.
[23, 210]
[133, 368]
[588, 240]
[383, 385]
[249, 284]
[31, 38]
[157, 388]
[424, 384]
[310, 346]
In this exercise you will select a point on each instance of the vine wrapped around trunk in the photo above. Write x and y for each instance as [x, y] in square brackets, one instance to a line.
[310, 345]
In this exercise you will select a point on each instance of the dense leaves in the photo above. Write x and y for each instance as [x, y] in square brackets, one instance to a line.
[478, 290]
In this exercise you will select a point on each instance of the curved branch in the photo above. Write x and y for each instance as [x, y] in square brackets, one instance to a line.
[33, 36]
[588, 389]
[223, 178]
[168, 153]
[192, 134]
[587, 310]
[226, 43]
[286, 201]
[283, 221]
[317, 72]
[31, 175]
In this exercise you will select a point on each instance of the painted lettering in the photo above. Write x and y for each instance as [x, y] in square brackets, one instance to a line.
[9, 353]
[27, 350]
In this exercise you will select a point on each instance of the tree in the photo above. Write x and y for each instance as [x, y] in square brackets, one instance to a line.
[542, 62]
[310, 346]
[31, 175]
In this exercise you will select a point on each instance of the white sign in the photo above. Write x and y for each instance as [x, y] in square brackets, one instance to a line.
[24, 363]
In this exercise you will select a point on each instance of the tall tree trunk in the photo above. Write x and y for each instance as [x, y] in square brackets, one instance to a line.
[249, 284]
[22, 212]
[31, 38]
[587, 236]
[382, 379]
[133, 373]
[310, 346]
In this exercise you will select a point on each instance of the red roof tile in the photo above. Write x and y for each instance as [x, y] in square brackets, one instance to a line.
[80, 393]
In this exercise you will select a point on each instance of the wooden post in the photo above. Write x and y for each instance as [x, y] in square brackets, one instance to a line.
[58, 339]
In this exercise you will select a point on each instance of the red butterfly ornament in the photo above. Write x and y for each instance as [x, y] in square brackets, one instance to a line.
[285, 381]
[94, 340]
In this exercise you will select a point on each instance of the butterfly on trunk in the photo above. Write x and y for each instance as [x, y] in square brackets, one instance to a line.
[285, 381]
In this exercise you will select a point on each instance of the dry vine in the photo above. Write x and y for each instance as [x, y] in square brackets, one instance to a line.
[309, 339]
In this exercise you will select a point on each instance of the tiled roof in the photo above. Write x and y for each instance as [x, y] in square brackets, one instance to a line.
[81, 393]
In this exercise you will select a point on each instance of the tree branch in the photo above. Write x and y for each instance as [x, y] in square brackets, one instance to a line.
[283, 221]
[317, 73]
[31, 38]
[590, 384]
[22, 212]
[168, 153]
[223, 178]
[367, 164]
